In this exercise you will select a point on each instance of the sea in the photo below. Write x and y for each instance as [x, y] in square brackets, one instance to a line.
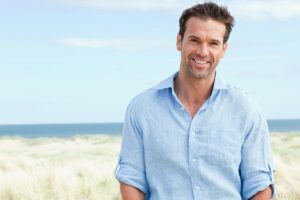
[113, 129]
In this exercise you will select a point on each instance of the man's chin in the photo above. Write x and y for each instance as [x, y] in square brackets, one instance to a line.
[200, 75]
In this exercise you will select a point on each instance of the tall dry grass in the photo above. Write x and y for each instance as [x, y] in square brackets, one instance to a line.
[286, 148]
[81, 168]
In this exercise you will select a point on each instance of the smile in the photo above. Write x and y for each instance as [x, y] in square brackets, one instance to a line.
[200, 61]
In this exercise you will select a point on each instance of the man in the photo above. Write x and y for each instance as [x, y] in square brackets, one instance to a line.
[193, 136]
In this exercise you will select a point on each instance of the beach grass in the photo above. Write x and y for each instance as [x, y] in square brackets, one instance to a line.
[286, 155]
[77, 168]
[82, 167]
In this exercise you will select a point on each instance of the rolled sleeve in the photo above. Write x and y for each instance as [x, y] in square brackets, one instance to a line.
[257, 169]
[131, 168]
[129, 175]
[258, 182]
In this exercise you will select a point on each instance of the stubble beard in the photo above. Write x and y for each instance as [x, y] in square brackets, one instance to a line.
[197, 74]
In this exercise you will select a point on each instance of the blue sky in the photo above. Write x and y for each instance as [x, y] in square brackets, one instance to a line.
[68, 61]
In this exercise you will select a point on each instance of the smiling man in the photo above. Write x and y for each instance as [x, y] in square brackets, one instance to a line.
[193, 136]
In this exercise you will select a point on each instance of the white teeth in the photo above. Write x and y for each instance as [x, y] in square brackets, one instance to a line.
[200, 61]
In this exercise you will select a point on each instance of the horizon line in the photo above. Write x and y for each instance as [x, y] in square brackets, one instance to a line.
[112, 122]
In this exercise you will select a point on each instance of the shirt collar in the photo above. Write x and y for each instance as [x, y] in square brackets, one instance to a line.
[219, 83]
[167, 83]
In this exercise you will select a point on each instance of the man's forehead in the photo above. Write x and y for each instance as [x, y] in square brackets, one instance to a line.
[197, 27]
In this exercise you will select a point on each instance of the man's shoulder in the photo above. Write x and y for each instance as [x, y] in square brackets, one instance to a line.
[232, 92]
[155, 93]
[146, 97]
[242, 99]
[239, 93]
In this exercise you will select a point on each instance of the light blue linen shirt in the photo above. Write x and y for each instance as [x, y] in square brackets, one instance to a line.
[223, 152]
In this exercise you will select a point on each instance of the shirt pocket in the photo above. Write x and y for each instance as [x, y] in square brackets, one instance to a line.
[219, 148]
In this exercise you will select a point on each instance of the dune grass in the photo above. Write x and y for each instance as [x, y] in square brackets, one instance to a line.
[78, 168]
[286, 148]
[81, 168]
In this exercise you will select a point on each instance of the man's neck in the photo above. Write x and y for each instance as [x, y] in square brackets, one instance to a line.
[193, 92]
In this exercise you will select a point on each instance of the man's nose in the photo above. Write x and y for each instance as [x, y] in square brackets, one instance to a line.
[203, 50]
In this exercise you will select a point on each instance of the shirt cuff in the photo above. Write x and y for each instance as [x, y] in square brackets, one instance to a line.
[259, 182]
[131, 176]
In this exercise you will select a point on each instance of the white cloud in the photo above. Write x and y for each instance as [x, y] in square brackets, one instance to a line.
[254, 9]
[264, 9]
[115, 43]
[139, 5]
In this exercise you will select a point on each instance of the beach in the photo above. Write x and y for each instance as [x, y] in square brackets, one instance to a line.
[82, 167]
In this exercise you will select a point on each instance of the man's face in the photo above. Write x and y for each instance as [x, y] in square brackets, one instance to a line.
[201, 47]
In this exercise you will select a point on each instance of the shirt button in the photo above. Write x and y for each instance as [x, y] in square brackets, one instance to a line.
[193, 133]
[194, 160]
[182, 108]
[197, 188]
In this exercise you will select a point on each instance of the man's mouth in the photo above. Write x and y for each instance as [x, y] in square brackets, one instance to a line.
[199, 61]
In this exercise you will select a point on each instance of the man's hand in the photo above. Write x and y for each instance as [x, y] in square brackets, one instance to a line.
[263, 195]
[129, 192]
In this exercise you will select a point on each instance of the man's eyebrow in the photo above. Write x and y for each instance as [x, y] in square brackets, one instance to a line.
[193, 37]
[197, 38]
[216, 41]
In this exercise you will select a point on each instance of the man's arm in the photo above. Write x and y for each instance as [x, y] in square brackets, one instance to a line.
[257, 168]
[130, 170]
[129, 192]
[263, 195]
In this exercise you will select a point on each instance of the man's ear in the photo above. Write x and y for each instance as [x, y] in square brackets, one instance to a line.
[225, 46]
[178, 42]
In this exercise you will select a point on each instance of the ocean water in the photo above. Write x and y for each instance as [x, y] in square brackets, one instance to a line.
[287, 125]
[60, 130]
[68, 130]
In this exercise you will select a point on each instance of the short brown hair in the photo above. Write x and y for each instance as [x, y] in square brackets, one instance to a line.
[206, 11]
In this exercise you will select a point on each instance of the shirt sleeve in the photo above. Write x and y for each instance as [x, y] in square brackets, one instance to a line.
[257, 167]
[131, 168]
